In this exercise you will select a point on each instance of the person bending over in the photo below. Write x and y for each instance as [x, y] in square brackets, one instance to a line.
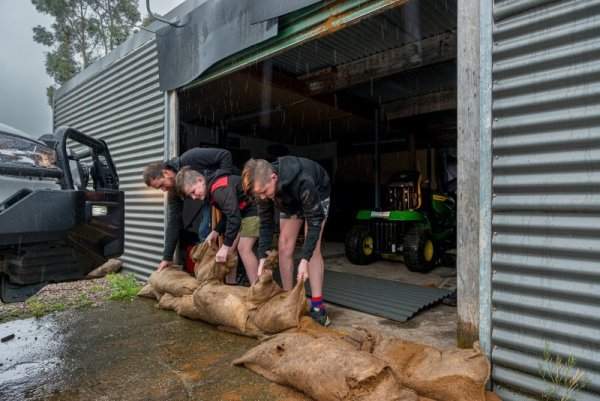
[300, 189]
[161, 175]
[238, 223]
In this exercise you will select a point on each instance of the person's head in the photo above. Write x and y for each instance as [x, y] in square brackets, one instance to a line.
[191, 184]
[259, 180]
[158, 175]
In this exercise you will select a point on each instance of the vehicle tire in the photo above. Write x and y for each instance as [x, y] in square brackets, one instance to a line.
[419, 250]
[359, 246]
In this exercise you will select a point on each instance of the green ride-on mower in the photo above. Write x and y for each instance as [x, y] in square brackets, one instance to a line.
[418, 227]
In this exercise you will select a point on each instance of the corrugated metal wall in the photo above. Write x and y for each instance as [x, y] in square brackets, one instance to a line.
[122, 105]
[546, 193]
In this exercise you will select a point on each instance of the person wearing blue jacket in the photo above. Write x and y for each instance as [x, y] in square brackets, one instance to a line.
[300, 189]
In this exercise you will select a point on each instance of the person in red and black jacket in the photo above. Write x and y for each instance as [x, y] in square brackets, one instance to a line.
[239, 221]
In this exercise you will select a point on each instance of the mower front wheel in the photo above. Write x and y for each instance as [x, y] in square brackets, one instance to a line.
[359, 246]
[420, 252]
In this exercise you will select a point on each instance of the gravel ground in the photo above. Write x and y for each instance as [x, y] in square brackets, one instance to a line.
[59, 296]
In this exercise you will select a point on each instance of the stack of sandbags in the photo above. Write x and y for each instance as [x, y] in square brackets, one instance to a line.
[325, 368]
[261, 309]
[309, 356]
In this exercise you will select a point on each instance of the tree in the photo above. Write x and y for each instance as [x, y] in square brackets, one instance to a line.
[82, 32]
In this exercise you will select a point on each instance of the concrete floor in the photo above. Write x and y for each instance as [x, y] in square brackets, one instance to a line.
[133, 351]
[435, 325]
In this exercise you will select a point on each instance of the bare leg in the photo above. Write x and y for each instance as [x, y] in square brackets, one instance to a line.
[316, 267]
[230, 278]
[289, 229]
[249, 258]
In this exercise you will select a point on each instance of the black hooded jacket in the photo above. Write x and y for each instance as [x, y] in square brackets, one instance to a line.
[301, 185]
[225, 192]
[201, 160]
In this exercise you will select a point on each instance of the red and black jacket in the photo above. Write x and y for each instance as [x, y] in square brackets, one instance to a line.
[224, 191]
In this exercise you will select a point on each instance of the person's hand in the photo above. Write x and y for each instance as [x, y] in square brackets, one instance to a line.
[222, 254]
[261, 264]
[163, 264]
[303, 270]
[212, 237]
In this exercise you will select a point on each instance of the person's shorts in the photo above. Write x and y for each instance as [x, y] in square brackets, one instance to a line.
[249, 227]
[300, 214]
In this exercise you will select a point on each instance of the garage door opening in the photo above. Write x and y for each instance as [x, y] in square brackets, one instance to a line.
[378, 92]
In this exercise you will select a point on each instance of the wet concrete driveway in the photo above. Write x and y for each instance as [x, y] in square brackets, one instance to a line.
[125, 351]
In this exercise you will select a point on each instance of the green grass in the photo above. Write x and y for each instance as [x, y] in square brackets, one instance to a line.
[120, 287]
[123, 286]
[39, 308]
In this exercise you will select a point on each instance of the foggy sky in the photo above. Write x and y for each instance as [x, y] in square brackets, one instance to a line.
[23, 78]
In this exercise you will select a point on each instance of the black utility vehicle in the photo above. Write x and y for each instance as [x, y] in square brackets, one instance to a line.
[52, 227]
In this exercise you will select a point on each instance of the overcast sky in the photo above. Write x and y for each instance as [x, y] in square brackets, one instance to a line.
[23, 78]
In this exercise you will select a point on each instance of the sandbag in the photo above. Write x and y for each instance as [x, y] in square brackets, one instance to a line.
[224, 305]
[449, 375]
[148, 292]
[173, 281]
[111, 266]
[187, 308]
[279, 312]
[325, 368]
[359, 337]
[206, 269]
[168, 302]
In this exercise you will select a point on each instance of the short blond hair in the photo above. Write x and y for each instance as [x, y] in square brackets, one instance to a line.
[256, 171]
[186, 177]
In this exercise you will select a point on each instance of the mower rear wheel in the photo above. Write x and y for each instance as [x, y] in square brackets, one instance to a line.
[420, 250]
[360, 246]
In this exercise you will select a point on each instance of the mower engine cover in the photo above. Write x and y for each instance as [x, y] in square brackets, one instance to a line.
[52, 227]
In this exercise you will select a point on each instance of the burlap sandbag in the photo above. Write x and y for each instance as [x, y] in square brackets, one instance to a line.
[359, 337]
[183, 305]
[326, 369]
[148, 292]
[282, 311]
[187, 308]
[173, 281]
[449, 375]
[168, 302]
[224, 305]
[207, 270]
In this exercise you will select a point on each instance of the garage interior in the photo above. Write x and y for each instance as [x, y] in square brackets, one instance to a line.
[390, 76]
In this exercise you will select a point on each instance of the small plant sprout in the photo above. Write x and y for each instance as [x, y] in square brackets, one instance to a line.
[562, 379]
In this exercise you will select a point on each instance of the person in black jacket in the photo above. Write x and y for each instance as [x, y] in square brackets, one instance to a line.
[300, 189]
[238, 222]
[161, 175]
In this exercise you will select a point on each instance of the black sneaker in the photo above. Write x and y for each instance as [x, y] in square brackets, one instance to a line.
[319, 316]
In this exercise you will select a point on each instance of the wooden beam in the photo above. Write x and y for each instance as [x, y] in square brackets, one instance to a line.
[432, 102]
[433, 50]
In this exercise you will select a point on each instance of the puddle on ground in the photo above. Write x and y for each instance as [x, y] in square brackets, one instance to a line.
[125, 351]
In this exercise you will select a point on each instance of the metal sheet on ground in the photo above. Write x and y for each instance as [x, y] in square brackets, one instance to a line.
[386, 298]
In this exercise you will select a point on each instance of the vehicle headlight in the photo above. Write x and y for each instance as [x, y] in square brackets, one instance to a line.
[20, 150]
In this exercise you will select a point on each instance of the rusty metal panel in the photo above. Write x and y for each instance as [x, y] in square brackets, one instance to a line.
[545, 194]
[120, 103]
